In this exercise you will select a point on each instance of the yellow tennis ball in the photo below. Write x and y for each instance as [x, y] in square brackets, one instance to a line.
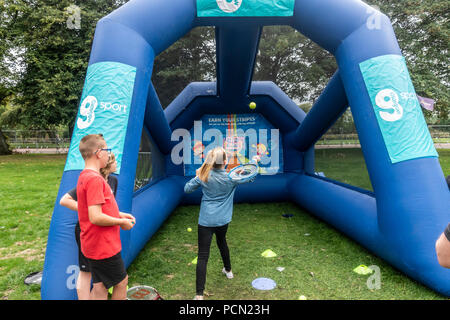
[189, 229]
[110, 290]
[252, 105]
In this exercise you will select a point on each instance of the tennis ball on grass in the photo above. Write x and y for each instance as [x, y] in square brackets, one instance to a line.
[110, 290]
[189, 229]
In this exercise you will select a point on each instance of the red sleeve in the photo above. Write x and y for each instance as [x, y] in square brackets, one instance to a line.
[95, 191]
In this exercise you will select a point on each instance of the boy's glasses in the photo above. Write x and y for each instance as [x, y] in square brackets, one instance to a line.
[107, 150]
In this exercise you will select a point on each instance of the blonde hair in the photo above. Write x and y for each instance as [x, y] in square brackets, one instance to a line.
[215, 158]
[89, 144]
[106, 171]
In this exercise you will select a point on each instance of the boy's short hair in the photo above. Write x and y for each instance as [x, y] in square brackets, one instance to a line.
[89, 144]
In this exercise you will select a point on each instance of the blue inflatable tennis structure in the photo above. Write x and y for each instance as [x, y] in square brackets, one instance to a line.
[399, 221]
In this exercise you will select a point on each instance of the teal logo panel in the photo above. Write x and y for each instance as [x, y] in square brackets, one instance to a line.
[245, 8]
[397, 108]
[104, 108]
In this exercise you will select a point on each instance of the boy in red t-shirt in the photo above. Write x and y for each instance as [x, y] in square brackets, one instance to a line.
[100, 222]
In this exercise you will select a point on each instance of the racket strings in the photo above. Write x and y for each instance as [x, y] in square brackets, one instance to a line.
[243, 172]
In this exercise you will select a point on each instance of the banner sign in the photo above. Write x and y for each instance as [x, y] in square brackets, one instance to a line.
[243, 136]
[104, 108]
[245, 8]
[397, 108]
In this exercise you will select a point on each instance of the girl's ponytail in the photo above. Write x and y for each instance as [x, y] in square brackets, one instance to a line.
[214, 159]
[106, 171]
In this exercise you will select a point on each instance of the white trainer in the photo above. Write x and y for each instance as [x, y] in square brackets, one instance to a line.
[229, 274]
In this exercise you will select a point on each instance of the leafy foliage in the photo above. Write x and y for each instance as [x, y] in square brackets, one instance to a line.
[423, 31]
[47, 59]
[43, 61]
[296, 64]
[192, 58]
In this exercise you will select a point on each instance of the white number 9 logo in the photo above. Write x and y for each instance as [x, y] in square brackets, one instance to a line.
[87, 109]
[387, 99]
[229, 6]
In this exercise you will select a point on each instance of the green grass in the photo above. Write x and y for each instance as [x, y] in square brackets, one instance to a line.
[345, 165]
[28, 188]
[318, 260]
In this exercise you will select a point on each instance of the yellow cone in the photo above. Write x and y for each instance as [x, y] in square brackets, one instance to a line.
[268, 254]
[362, 269]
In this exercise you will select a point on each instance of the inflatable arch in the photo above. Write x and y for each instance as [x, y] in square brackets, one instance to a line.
[399, 221]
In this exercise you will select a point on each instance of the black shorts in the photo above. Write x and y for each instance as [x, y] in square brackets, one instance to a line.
[83, 262]
[109, 271]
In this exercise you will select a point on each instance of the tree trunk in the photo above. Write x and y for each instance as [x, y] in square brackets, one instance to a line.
[4, 146]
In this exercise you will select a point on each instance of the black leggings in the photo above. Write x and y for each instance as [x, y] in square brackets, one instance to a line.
[204, 243]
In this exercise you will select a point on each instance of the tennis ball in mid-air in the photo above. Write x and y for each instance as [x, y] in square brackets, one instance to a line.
[189, 229]
[252, 105]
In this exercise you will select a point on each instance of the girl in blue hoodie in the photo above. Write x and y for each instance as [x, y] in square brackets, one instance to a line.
[216, 210]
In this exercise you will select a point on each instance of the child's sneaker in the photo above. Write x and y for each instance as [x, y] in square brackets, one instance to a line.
[197, 297]
[229, 274]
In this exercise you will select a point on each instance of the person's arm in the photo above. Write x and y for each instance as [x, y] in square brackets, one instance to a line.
[192, 185]
[97, 217]
[95, 199]
[443, 248]
[68, 202]
[236, 182]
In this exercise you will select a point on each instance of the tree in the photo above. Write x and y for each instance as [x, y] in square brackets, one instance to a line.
[4, 146]
[191, 58]
[48, 55]
[295, 63]
[292, 61]
[44, 60]
[423, 31]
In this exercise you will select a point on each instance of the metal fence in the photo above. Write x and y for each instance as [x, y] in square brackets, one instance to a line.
[59, 140]
[439, 133]
[38, 139]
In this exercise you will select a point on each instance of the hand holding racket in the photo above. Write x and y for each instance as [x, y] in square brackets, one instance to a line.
[256, 159]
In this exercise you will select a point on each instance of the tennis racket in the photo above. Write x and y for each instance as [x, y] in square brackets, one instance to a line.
[34, 278]
[244, 172]
[143, 293]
